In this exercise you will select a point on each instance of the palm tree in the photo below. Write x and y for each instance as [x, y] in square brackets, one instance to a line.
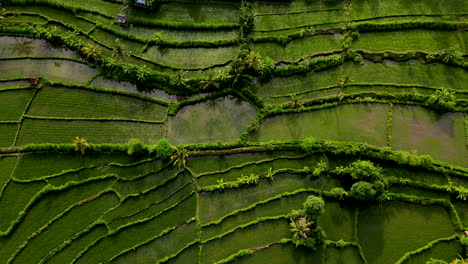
[178, 79]
[143, 72]
[300, 229]
[127, 68]
[3, 13]
[119, 50]
[180, 157]
[22, 47]
[91, 51]
[80, 144]
[253, 60]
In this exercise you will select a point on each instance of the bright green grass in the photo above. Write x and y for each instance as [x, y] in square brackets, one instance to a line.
[161, 247]
[416, 174]
[295, 6]
[299, 48]
[276, 22]
[388, 231]
[154, 208]
[150, 203]
[19, 46]
[418, 192]
[250, 237]
[186, 256]
[106, 7]
[444, 250]
[126, 238]
[215, 12]
[282, 254]
[178, 34]
[460, 181]
[17, 102]
[7, 164]
[216, 120]
[310, 95]
[392, 89]
[24, 19]
[348, 255]
[216, 163]
[410, 72]
[258, 169]
[338, 220]
[15, 197]
[282, 206]
[363, 9]
[129, 87]
[214, 205]
[299, 83]
[7, 134]
[8, 84]
[142, 184]
[54, 14]
[54, 70]
[439, 135]
[33, 166]
[350, 122]
[190, 58]
[45, 209]
[462, 210]
[76, 103]
[59, 131]
[424, 40]
[76, 220]
[96, 18]
[123, 172]
[111, 40]
[67, 254]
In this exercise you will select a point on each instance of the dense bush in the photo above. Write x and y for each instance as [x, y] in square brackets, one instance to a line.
[163, 149]
[304, 224]
[135, 147]
[363, 191]
[314, 207]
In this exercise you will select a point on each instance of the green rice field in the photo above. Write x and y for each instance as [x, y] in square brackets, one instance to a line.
[212, 132]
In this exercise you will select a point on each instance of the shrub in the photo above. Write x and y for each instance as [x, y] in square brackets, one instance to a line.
[364, 170]
[338, 192]
[314, 207]
[267, 67]
[135, 147]
[163, 149]
[80, 144]
[363, 191]
[452, 55]
[320, 168]
[436, 261]
[464, 241]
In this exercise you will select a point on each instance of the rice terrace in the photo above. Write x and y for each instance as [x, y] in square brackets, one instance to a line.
[234, 131]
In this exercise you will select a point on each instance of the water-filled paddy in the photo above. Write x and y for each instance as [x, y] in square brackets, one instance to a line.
[351, 122]
[388, 231]
[439, 135]
[221, 119]
[52, 69]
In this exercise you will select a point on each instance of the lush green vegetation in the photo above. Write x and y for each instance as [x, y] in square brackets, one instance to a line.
[233, 132]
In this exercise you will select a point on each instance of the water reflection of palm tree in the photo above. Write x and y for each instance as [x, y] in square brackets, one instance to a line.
[295, 130]
[22, 46]
[213, 103]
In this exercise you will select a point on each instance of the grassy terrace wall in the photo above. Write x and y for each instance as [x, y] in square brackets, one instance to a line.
[286, 93]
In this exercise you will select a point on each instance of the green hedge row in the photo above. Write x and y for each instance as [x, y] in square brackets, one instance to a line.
[60, 5]
[402, 25]
[169, 43]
